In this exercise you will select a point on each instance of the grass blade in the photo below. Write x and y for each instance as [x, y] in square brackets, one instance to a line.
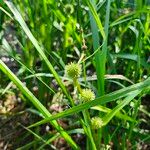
[110, 115]
[96, 17]
[38, 48]
[98, 101]
[36, 103]
[118, 114]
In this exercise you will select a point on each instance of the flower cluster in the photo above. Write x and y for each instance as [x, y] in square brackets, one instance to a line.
[87, 95]
[73, 70]
[96, 122]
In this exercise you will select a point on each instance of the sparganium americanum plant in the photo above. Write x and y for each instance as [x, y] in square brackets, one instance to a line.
[107, 98]
[73, 70]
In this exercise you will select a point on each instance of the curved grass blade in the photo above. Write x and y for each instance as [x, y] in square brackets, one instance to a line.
[36, 103]
[110, 115]
[96, 17]
[9, 51]
[118, 114]
[98, 101]
[38, 137]
[7, 13]
[38, 48]
[133, 57]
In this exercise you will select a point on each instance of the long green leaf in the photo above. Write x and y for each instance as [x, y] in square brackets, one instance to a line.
[96, 17]
[38, 48]
[98, 101]
[100, 56]
[108, 110]
[36, 102]
[110, 115]
[9, 51]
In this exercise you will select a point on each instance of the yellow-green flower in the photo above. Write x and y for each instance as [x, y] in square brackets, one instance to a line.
[73, 70]
[87, 95]
[96, 122]
[68, 9]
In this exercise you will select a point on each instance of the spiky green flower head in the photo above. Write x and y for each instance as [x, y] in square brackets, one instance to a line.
[73, 70]
[87, 95]
[68, 9]
[96, 122]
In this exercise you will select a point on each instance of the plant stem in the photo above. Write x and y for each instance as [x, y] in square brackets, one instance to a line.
[86, 119]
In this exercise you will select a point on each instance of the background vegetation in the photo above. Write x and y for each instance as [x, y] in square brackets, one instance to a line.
[41, 107]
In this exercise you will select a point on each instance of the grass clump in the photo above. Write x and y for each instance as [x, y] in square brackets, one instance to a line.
[99, 100]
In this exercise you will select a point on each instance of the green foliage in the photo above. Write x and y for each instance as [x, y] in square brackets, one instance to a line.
[105, 92]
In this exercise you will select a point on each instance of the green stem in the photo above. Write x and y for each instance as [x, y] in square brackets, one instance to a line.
[87, 121]
[76, 84]
[86, 118]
